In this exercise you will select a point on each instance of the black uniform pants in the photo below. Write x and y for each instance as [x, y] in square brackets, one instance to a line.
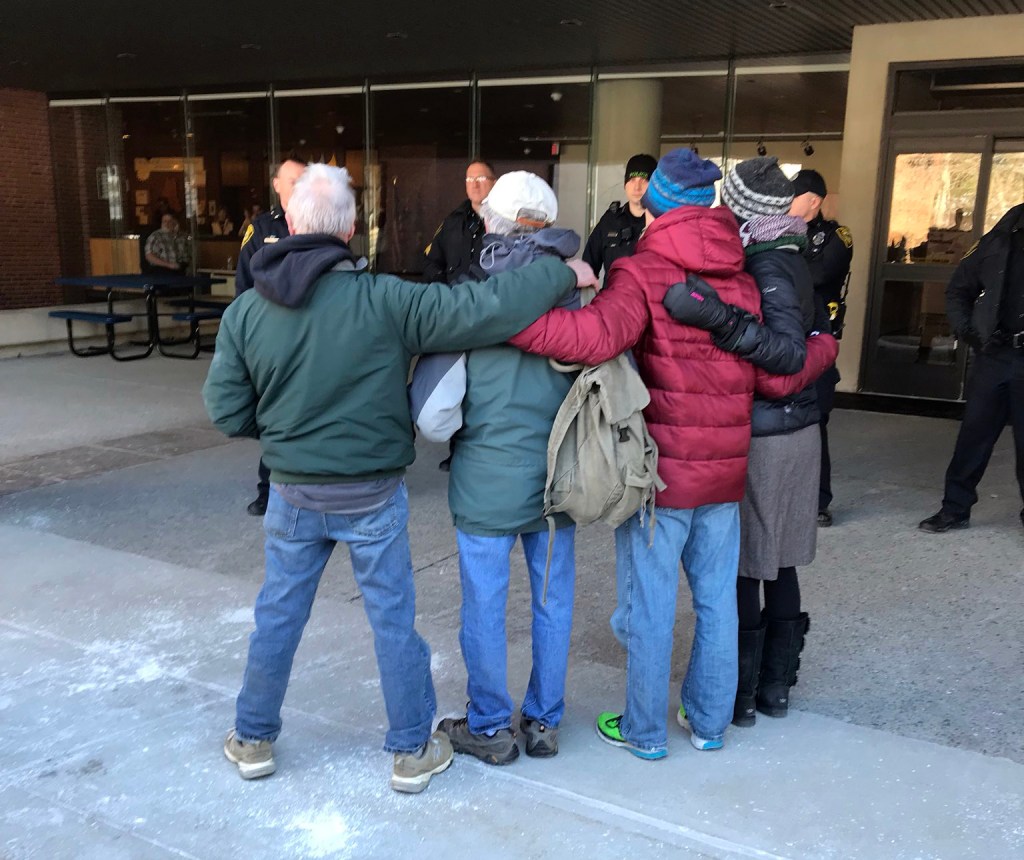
[825, 389]
[995, 394]
[263, 482]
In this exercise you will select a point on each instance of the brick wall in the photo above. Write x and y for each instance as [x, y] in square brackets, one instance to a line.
[29, 248]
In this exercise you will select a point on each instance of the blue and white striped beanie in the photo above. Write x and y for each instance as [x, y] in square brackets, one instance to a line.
[756, 187]
[682, 178]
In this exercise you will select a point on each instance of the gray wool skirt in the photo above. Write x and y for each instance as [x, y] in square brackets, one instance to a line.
[779, 513]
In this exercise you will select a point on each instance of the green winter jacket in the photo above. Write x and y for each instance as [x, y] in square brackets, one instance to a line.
[499, 459]
[314, 361]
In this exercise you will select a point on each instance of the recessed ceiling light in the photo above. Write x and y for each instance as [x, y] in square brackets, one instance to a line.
[778, 4]
[126, 55]
[251, 46]
[571, 22]
[396, 34]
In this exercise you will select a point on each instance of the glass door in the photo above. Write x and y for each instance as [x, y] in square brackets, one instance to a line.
[935, 191]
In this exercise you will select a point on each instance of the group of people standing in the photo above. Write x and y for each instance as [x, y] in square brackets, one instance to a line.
[718, 309]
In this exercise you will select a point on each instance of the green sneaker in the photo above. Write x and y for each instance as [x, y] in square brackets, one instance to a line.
[252, 759]
[696, 742]
[607, 727]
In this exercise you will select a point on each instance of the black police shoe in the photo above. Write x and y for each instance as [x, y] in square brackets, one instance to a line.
[943, 522]
[824, 519]
[258, 506]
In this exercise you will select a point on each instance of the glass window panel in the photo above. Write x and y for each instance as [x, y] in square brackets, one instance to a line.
[331, 129]
[229, 172]
[1006, 186]
[932, 214]
[799, 104]
[915, 351]
[417, 175]
[974, 88]
[545, 129]
[148, 152]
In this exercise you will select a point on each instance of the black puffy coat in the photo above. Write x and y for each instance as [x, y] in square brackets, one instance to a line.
[790, 314]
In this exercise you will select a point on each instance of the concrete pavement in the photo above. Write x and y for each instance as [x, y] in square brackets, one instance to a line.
[128, 575]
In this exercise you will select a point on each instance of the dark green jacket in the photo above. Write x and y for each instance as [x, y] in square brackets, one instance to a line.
[499, 460]
[314, 361]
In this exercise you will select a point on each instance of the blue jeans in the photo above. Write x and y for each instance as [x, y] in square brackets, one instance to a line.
[484, 571]
[707, 540]
[299, 543]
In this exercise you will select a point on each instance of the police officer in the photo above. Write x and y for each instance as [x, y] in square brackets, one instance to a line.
[619, 229]
[267, 227]
[985, 306]
[829, 252]
[456, 244]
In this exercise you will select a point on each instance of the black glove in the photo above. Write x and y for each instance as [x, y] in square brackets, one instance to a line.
[971, 338]
[697, 304]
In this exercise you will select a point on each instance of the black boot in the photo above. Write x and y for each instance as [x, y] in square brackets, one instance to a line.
[784, 640]
[751, 644]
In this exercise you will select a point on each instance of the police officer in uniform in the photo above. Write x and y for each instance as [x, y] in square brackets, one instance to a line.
[266, 228]
[619, 229]
[985, 306]
[829, 252]
[456, 243]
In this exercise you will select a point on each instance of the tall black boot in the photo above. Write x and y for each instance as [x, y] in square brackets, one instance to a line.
[784, 640]
[751, 645]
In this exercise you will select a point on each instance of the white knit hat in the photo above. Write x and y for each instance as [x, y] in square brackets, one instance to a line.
[523, 197]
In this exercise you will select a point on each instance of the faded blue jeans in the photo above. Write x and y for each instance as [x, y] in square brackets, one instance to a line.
[484, 571]
[298, 544]
[707, 541]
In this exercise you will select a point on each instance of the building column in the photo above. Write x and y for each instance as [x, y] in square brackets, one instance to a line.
[627, 120]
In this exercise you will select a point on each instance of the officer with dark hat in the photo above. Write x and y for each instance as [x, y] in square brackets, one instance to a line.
[829, 252]
[619, 229]
[985, 307]
[267, 228]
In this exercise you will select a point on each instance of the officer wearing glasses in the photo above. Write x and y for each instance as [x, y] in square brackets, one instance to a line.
[456, 244]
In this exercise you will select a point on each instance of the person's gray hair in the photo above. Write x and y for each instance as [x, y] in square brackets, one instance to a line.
[501, 226]
[323, 202]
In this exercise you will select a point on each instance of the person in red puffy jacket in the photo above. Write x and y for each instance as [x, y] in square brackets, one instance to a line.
[699, 415]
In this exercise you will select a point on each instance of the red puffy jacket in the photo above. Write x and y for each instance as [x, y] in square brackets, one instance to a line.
[701, 397]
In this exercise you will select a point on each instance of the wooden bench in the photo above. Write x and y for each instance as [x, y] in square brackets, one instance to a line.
[106, 319]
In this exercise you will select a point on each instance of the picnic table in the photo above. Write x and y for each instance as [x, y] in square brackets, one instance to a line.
[152, 287]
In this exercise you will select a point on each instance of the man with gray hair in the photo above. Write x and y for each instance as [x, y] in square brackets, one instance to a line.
[313, 362]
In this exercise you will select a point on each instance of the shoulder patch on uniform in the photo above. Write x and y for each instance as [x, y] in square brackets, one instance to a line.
[971, 250]
[844, 234]
[248, 235]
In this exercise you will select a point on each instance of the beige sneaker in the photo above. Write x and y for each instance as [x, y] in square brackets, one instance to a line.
[253, 760]
[413, 769]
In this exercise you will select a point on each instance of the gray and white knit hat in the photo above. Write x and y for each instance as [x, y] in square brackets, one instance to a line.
[757, 187]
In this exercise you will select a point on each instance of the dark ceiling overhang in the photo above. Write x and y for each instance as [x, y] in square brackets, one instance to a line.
[105, 46]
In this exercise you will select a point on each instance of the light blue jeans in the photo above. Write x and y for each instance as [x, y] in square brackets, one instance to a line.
[484, 571]
[299, 542]
[707, 540]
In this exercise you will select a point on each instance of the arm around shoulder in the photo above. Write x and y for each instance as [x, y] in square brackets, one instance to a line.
[607, 327]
